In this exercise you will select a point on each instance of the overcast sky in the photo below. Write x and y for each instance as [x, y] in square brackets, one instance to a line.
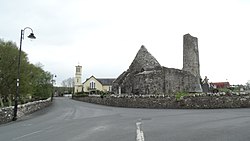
[104, 35]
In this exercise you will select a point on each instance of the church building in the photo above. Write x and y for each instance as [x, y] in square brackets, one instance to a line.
[91, 84]
[146, 76]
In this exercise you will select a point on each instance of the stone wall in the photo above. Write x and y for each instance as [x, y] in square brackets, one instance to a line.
[6, 113]
[147, 82]
[157, 81]
[170, 102]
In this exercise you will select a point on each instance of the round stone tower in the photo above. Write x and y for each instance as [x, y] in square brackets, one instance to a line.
[191, 55]
[191, 60]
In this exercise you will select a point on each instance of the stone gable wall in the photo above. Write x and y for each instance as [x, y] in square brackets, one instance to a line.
[143, 61]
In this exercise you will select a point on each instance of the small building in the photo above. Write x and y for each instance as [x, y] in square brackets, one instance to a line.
[91, 84]
[218, 85]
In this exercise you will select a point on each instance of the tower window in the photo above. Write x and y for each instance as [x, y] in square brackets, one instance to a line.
[77, 69]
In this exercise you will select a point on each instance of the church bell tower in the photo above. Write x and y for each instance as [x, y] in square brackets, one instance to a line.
[78, 80]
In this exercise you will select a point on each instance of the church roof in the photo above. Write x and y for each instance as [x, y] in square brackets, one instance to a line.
[106, 81]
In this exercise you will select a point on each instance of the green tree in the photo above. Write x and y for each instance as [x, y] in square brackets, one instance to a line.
[41, 82]
[8, 67]
[35, 83]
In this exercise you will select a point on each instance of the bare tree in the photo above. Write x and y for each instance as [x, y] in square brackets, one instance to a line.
[68, 84]
[248, 85]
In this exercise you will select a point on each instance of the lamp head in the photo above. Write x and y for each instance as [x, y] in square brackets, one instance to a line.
[32, 36]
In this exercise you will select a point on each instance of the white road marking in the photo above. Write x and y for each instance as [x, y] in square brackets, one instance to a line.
[32, 133]
[88, 133]
[139, 132]
[26, 125]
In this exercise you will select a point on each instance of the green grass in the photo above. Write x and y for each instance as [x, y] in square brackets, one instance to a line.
[179, 95]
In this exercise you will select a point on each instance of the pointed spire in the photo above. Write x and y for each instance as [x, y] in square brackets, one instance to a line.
[143, 61]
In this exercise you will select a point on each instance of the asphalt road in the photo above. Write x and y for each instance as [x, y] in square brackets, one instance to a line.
[69, 120]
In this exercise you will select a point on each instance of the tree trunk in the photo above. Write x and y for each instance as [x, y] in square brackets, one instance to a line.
[10, 99]
[1, 102]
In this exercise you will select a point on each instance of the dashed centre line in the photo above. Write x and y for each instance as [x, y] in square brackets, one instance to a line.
[139, 132]
[32, 133]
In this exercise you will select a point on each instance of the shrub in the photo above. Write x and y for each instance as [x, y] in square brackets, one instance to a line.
[180, 95]
[80, 95]
[226, 90]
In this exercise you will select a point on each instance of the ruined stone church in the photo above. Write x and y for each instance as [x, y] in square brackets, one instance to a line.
[146, 76]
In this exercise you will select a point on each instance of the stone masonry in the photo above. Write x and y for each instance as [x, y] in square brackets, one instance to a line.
[170, 102]
[146, 76]
[191, 55]
[6, 113]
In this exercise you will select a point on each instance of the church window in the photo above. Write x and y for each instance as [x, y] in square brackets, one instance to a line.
[92, 85]
[110, 88]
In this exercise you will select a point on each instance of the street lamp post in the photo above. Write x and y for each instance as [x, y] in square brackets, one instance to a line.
[31, 36]
[52, 95]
